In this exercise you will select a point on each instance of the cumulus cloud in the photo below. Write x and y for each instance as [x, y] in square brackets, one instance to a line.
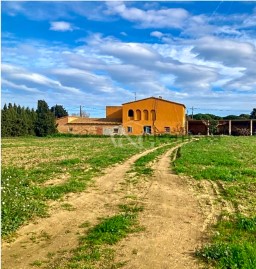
[146, 61]
[157, 34]
[154, 18]
[61, 26]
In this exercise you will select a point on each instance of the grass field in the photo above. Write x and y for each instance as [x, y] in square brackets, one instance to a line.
[36, 170]
[231, 163]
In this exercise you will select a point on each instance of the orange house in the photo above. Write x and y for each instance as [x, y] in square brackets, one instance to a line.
[153, 116]
[146, 116]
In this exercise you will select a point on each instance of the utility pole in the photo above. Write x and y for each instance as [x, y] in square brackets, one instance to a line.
[192, 112]
[135, 96]
[80, 111]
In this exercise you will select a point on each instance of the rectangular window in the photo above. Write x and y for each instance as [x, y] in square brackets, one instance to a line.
[167, 130]
[115, 131]
[147, 129]
[129, 129]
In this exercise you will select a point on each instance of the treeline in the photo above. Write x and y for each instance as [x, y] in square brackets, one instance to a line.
[21, 121]
[201, 116]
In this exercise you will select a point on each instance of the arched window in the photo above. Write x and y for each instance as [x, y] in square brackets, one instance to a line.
[153, 114]
[138, 114]
[145, 114]
[131, 114]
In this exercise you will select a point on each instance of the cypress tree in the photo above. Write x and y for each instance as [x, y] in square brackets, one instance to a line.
[4, 121]
[45, 121]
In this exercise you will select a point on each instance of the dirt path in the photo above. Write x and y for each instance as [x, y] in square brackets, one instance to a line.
[58, 232]
[173, 220]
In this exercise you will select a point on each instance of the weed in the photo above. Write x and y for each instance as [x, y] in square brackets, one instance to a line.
[68, 207]
[131, 208]
[49, 255]
[37, 263]
[85, 225]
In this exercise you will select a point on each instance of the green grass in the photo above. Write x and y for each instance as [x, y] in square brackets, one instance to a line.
[95, 247]
[234, 246]
[142, 165]
[30, 163]
[111, 230]
[226, 158]
[231, 162]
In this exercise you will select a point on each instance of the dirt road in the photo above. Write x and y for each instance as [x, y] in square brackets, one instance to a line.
[172, 217]
[173, 222]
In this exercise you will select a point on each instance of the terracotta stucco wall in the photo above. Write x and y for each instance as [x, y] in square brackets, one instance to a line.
[114, 112]
[61, 123]
[166, 115]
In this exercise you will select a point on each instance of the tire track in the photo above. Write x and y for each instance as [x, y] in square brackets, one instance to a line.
[61, 228]
[172, 220]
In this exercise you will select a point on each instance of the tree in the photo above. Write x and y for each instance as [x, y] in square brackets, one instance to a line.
[4, 121]
[244, 116]
[59, 111]
[231, 117]
[31, 118]
[201, 116]
[253, 114]
[45, 120]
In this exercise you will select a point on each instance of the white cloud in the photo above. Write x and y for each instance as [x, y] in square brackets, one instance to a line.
[61, 26]
[157, 34]
[14, 75]
[210, 52]
[154, 18]
[226, 51]
[38, 10]
[8, 84]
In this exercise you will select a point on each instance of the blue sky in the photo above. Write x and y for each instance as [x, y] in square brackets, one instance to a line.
[201, 54]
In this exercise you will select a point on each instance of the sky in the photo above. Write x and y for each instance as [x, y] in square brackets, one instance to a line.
[93, 54]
